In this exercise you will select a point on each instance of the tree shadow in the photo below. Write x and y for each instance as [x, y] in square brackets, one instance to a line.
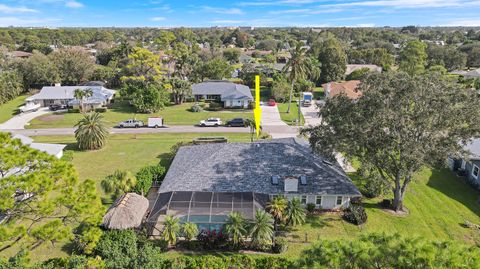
[122, 107]
[319, 221]
[455, 187]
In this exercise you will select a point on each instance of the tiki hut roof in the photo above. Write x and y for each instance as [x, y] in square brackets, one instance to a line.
[127, 212]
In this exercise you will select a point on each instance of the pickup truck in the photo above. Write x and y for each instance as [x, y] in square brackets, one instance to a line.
[131, 123]
[215, 122]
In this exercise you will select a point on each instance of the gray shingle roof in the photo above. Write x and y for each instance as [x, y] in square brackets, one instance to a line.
[226, 89]
[248, 167]
[100, 94]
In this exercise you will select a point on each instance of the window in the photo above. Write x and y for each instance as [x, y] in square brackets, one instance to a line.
[318, 200]
[339, 200]
[463, 164]
[304, 199]
[475, 171]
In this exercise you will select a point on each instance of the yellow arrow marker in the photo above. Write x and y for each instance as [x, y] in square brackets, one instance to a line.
[257, 112]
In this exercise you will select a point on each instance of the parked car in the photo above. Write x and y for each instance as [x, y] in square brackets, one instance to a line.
[155, 122]
[237, 122]
[131, 123]
[55, 107]
[215, 122]
[272, 102]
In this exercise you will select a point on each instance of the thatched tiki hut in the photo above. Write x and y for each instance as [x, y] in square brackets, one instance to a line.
[126, 212]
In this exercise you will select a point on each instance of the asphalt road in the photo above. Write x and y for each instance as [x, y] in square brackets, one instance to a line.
[171, 129]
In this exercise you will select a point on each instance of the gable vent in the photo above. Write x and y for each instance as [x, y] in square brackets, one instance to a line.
[303, 180]
[274, 180]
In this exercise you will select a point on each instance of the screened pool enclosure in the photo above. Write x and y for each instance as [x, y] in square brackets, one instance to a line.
[209, 210]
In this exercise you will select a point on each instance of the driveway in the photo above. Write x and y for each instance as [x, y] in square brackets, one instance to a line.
[310, 114]
[273, 124]
[172, 129]
[19, 121]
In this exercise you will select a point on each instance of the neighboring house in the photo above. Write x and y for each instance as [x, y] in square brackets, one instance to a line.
[354, 67]
[52, 149]
[65, 95]
[245, 59]
[467, 74]
[349, 88]
[470, 165]
[19, 54]
[206, 182]
[231, 95]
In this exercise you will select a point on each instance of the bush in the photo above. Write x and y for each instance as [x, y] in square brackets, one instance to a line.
[196, 108]
[146, 176]
[67, 155]
[101, 109]
[212, 239]
[73, 110]
[214, 106]
[280, 245]
[310, 208]
[355, 214]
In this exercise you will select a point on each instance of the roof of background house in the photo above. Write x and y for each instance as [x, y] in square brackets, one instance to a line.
[68, 92]
[52, 149]
[473, 74]
[353, 67]
[474, 149]
[349, 88]
[20, 54]
[248, 167]
[226, 89]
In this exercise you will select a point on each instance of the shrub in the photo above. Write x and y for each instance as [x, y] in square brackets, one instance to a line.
[212, 239]
[214, 106]
[280, 245]
[73, 110]
[101, 109]
[355, 214]
[310, 208]
[196, 108]
[146, 176]
[67, 155]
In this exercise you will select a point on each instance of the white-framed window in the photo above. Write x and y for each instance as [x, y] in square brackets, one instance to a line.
[303, 199]
[463, 164]
[318, 200]
[475, 171]
[339, 200]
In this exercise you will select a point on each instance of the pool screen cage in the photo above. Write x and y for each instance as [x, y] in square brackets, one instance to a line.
[209, 210]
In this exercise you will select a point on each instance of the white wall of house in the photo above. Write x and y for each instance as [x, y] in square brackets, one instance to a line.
[236, 103]
[322, 201]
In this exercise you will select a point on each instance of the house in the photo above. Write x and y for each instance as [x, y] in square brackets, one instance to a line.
[472, 74]
[20, 54]
[55, 150]
[231, 95]
[469, 166]
[245, 59]
[353, 67]
[349, 88]
[65, 95]
[208, 181]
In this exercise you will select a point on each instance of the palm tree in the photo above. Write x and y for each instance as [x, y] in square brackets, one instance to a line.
[171, 229]
[91, 132]
[261, 230]
[235, 227]
[251, 123]
[295, 213]
[190, 230]
[277, 208]
[118, 183]
[81, 95]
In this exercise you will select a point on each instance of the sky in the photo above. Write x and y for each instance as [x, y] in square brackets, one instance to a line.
[259, 13]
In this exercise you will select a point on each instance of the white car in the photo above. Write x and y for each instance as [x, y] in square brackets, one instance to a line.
[131, 123]
[215, 122]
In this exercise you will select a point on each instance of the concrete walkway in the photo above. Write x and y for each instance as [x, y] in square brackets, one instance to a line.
[19, 121]
[171, 129]
[310, 114]
[273, 124]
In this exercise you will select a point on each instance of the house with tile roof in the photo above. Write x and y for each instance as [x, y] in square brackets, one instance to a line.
[348, 88]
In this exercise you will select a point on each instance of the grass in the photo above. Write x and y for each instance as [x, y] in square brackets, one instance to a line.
[10, 108]
[120, 111]
[290, 118]
[438, 202]
[318, 93]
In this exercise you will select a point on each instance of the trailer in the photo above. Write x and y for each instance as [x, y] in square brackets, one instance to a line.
[307, 98]
[155, 122]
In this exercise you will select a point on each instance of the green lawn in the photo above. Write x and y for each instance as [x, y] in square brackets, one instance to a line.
[438, 202]
[290, 118]
[318, 93]
[10, 108]
[120, 111]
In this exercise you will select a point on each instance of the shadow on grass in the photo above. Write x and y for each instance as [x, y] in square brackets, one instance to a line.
[122, 107]
[455, 187]
[319, 222]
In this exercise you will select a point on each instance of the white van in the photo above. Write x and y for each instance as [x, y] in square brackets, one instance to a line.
[155, 122]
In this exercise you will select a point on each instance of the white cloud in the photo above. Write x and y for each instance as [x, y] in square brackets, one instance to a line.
[15, 21]
[73, 4]
[13, 10]
[230, 11]
[307, 11]
[367, 25]
[463, 22]
[403, 3]
[227, 21]
[158, 19]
